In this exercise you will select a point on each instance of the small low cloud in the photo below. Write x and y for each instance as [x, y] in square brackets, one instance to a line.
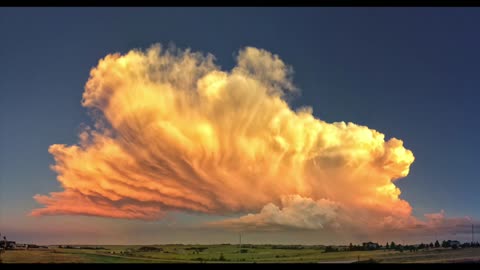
[296, 212]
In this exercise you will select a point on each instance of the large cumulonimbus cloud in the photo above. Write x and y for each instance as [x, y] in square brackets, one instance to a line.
[174, 132]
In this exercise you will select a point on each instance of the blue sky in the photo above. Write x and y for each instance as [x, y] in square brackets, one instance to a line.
[410, 73]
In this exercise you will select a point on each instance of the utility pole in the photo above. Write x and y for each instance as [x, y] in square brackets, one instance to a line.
[240, 242]
[473, 235]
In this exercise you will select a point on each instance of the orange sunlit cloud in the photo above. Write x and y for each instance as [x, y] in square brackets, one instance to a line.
[174, 132]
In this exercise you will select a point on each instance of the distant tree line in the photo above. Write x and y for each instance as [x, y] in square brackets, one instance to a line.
[79, 247]
[197, 250]
[287, 247]
[399, 247]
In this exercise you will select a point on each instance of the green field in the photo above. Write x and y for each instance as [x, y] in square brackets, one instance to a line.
[230, 254]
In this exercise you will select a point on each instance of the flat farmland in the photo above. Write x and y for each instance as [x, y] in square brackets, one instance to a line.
[230, 254]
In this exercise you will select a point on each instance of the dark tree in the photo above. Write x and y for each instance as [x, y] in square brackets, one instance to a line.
[437, 244]
[221, 257]
[387, 246]
[392, 245]
[330, 249]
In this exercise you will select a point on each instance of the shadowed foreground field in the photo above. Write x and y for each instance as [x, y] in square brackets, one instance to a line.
[230, 254]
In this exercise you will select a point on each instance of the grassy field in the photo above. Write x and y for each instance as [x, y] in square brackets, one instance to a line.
[229, 254]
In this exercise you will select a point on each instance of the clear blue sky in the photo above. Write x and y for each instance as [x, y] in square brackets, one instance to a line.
[411, 73]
